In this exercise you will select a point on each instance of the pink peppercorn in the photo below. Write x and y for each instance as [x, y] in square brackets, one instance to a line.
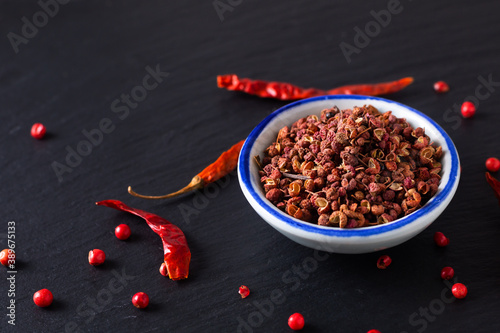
[440, 239]
[447, 273]
[468, 109]
[296, 322]
[96, 257]
[43, 298]
[441, 87]
[38, 131]
[244, 291]
[459, 290]
[384, 261]
[140, 300]
[122, 232]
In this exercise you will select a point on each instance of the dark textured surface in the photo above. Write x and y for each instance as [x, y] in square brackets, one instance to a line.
[91, 52]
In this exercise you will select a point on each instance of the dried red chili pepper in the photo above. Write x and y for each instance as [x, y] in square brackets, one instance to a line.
[176, 251]
[286, 91]
[221, 167]
[495, 185]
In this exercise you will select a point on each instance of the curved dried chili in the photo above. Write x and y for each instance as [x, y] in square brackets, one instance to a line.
[176, 251]
[286, 91]
[226, 162]
[495, 185]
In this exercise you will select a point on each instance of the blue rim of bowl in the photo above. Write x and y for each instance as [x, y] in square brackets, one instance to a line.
[244, 171]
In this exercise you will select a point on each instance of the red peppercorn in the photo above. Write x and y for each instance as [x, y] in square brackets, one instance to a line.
[296, 322]
[4, 256]
[493, 164]
[441, 87]
[163, 269]
[96, 257]
[459, 290]
[122, 232]
[140, 300]
[43, 298]
[441, 239]
[384, 261]
[468, 109]
[38, 131]
[373, 331]
[447, 273]
[244, 291]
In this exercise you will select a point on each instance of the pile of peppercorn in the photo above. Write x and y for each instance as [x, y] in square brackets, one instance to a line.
[351, 168]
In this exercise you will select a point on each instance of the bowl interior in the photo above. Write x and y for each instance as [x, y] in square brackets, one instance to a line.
[266, 132]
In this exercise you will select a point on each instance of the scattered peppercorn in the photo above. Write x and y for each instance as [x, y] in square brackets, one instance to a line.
[468, 109]
[384, 261]
[447, 273]
[38, 131]
[441, 87]
[96, 257]
[244, 291]
[440, 239]
[43, 298]
[493, 164]
[140, 300]
[6, 256]
[296, 322]
[459, 290]
[122, 232]
[350, 168]
[373, 331]
[163, 269]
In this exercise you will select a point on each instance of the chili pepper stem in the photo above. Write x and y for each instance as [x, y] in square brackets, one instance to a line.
[195, 184]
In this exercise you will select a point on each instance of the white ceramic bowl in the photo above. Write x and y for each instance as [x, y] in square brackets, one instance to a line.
[331, 239]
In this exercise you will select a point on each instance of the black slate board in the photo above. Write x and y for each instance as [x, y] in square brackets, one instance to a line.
[89, 53]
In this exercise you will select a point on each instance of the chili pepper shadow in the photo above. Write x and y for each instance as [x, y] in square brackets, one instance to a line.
[181, 197]
[198, 263]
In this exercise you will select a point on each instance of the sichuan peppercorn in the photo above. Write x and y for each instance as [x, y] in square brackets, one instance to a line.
[350, 168]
